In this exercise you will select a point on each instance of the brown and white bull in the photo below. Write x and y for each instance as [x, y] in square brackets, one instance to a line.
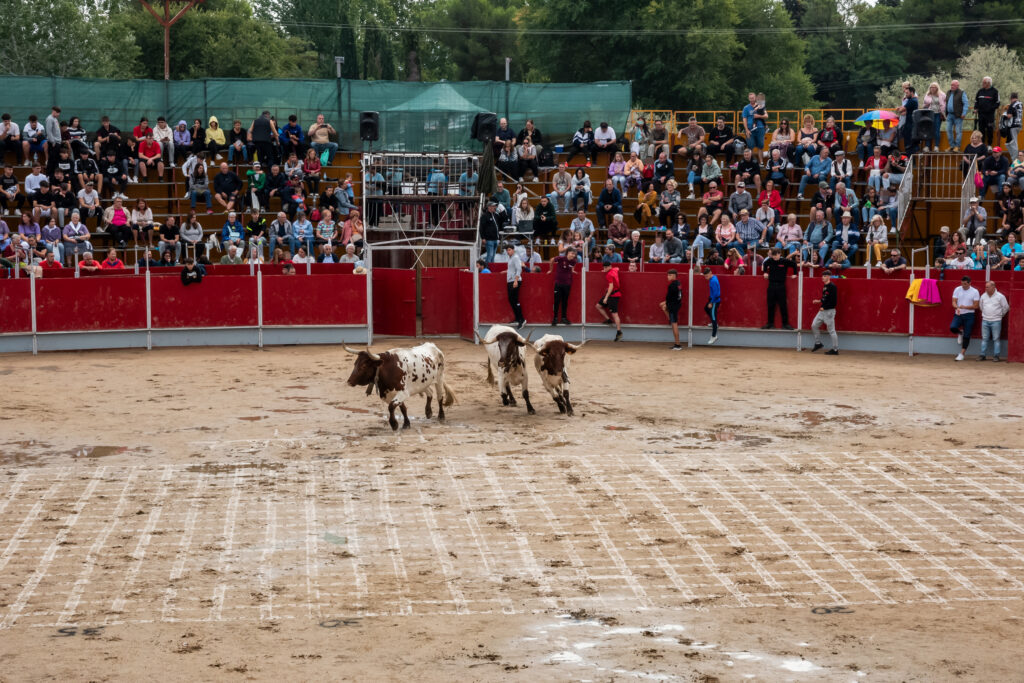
[400, 374]
[552, 363]
[506, 357]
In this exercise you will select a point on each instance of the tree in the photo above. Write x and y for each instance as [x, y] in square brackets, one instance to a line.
[876, 56]
[327, 26]
[828, 49]
[787, 80]
[479, 56]
[64, 38]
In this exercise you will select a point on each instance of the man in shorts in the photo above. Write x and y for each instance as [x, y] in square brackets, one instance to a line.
[670, 306]
[608, 305]
[714, 302]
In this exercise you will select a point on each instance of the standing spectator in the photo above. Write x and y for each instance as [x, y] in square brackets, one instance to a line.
[935, 102]
[965, 303]
[582, 143]
[182, 139]
[671, 305]
[993, 306]
[513, 279]
[52, 128]
[562, 266]
[605, 141]
[33, 140]
[468, 180]
[319, 134]
[956, 109]
[263, 135]
[755, 121]
[226, 186]
[491, 223]
[826, 315]
[608, 305]
[775, 268]
[1011, 123]
[722, 140]
[10, 138]
[714, 301]
[986, 102]
[142, 223]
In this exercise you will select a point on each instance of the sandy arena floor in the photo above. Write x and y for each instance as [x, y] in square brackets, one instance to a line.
[711, 515]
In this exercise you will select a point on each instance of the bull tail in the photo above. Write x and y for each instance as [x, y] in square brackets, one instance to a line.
[449, 395]
[490, 374]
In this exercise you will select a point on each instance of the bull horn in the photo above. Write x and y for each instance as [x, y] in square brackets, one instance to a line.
[577, 347]
[527, 340]
[373, 356]
[352, 351]
[483, 341]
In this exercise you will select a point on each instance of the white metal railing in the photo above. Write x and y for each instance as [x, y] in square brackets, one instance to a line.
[967, 190]
[904, 195]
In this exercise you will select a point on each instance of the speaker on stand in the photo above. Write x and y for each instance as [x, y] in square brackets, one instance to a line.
[485, 126]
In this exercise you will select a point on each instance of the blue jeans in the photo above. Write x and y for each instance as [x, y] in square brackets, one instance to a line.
[993, 181]
[297, 242]
[800, 150]
[321, 146]
[954, 129]
[577, 197]
[838, 244]
[244, 153]
[490, 246]
[895, 179]
[563, 205]
[807, 179]
[205, 194]
[991, 329]
[963, 323]
[875, 181]
[937, 128]
[700, 243]
[756, 139]
[620, 182]
[790, 248]
[823, 252]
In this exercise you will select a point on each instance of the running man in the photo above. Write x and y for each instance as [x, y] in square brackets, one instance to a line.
[608, 306]
[826, 315]
[714, 302]
[670, 306]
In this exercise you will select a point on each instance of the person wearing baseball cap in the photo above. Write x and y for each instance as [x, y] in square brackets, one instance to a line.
[994, 169]
[972, 226]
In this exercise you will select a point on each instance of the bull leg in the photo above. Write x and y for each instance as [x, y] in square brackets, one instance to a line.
[391, 416]
[504, 398]
[405, 415]
[429, 411]
[560, 402]
[529, 406]
[440, 402]
[511, 397]
[568, 405]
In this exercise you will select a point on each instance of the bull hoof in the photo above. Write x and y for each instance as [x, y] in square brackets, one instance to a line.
[430, 413]
[504, 401]
[569, 411]
[394, 425]
[440, 418]
[405, 425]
[561, 408]
[531, 411]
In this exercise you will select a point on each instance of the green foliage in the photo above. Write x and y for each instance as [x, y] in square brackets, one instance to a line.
[478, 56]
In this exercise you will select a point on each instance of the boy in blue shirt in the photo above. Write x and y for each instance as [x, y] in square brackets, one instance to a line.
[714, 302]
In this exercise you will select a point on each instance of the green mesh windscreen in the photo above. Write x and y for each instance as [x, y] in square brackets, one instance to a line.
[414, 117]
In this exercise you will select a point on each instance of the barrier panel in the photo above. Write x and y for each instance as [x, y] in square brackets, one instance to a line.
[336, 300]
[15, 306]
[1013, 325]
[223, 301]
[467, 322]
[439, 305]
[91, 304]
[394, 302]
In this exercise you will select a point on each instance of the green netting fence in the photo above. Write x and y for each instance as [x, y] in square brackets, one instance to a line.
[414, 117]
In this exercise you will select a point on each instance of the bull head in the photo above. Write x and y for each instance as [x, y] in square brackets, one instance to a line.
[364, 371]
[373, 356]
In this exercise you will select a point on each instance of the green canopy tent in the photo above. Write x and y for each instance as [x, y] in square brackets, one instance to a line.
[439, 114]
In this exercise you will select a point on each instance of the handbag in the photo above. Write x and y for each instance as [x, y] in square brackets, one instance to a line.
[979, 180]
[325, 157]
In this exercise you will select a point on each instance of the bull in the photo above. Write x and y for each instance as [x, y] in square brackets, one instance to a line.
[400, 374]
[506, 355]
[552, 363]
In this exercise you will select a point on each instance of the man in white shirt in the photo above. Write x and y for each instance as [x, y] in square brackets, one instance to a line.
[585, 227]
[604, 141]
[164, 134]
[10, 136]
[965, 303]
[994, 307]
[33, 139]
[513, 279]
[34, 179]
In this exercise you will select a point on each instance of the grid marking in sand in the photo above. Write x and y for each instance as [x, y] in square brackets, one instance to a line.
[507, 533]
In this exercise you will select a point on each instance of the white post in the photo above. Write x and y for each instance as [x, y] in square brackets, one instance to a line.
[149, 313]
[799, 308]
[259, 307]
[474, 254]
[32, 303]
[689, 308]
[368, 264]
[583, 291]
[868, 259]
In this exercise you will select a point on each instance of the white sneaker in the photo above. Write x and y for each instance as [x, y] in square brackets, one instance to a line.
[172, 164]
[799, 196]
[186, 195]
[218, 157]
[28, 163]
[960, 357]
[960, 339]
[712, 340]
[690, 196]
[135, 180]
[879, 264]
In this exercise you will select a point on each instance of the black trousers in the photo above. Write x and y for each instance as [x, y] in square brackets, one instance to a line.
[777, 299]
[6, 202]
[711, 308]
[575, 148]
[562, 301]
[987, 126]
[265, 150]
[513, 301]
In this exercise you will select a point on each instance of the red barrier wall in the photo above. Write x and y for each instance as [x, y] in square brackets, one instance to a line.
[334, 300]
[394, 302]
[89, 304]
[222, 301]
[439, 304]
[15, 306]
[1013, 325]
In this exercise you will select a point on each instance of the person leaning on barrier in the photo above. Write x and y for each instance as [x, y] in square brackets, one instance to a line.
[192, 274]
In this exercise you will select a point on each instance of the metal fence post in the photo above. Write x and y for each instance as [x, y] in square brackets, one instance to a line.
[474, 254]
[149, 313]
[259, 307]
[32, 303]
[689, 308]
[799, 308]
[583, 291]
[368, 259]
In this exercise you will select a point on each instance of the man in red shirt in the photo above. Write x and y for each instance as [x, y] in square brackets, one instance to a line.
[142, 130]
[150, 155]
[608, 305]
[112, 262]
[50, 263]
[88, 263]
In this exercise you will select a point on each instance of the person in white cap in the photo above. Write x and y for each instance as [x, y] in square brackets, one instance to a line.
[972, 226]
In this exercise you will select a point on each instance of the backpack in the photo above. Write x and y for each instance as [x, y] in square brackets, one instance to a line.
[546, 158]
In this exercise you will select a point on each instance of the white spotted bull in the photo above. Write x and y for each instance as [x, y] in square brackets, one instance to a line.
[400, 374]
[506, 357]
[552, 363]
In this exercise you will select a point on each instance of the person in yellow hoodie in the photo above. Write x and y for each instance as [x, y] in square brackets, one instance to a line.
[215, 141]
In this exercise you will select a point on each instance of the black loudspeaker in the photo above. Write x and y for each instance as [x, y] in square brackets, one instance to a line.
[924, 125]
[485, 126]
[369, 125]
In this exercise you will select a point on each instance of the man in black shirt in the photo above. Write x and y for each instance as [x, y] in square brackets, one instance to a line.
[986, 102]
[775, 268]
[491, 223]
[749, 171]
[107, 137]
[721, 139]
[44, 203]
[226, 185]
[63, 161]
[113, 174]
[9, 193]
[263, 134]
[826, 315]
[87, 171]
[670, 306]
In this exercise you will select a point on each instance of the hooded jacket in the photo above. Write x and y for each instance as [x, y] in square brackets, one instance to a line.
[215, 134]
[182, 137]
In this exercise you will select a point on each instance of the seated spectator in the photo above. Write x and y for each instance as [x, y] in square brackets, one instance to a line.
[561, 189]
[192, 237]
[256, 232]
[545, 220]
[198, 135]
[806, 141]
[150, 156]
[164, 136]
[994, 170]
[129, 156]
[89, 203]
[887, 139]
[350, 255]
[44, 203]
[830, 137]
[710, 172]
[50, 237]
[877, 239]
[659, 140]
[302, 256]
[140, 131]
[974, 221]
[199, 187]
[894, 263]
[353, 230]
[694, 165]
[142, 223]
[824, 199]
[238, 143]
[293, 139]
[583, 225]
[639, 137]
[725, 236]
[609, 202]
[112, 262]
[257, 181]
[778, 170]
[633, 249]
[233, 233]
[750, 232]
[9, 194]
[783, 139]
[735, 263]
[961, 261]
[33, 139]
[646, 206]
[766, 214]
[772, 195]
[664, 170]
[610, 255]
[76, 237]
[876, 165]
[280, 232]
[955, 242]
[302, 233]
[866, 142]
[790, 236]
[675, 247]
[1012, 250]
[531, 133]
[87, 171]
[845, 201]
[212, 139]
[51, 262]
[231, 258]
[326, 231]
[691, 138]
[605, 140]
[656, 254]
[703, 238]
[749, 170]
[847, 236]
[167, 259]
[842, 169]
[327, 254]
[118, 221]
[508, 160]
[170, 237]
[320, 137]
[988, 256]
[818, 170]
[888, 204]
[668, 207]
[617, 172]
[88, 263]
[817, 237]
[522, 217]
[226, 185]
[1016, 174]
[528, 160]
[582, 143]
[839, 261]
[276, 185]
[618, 233]
[713, 203]
[722, 141]
[182, 140]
